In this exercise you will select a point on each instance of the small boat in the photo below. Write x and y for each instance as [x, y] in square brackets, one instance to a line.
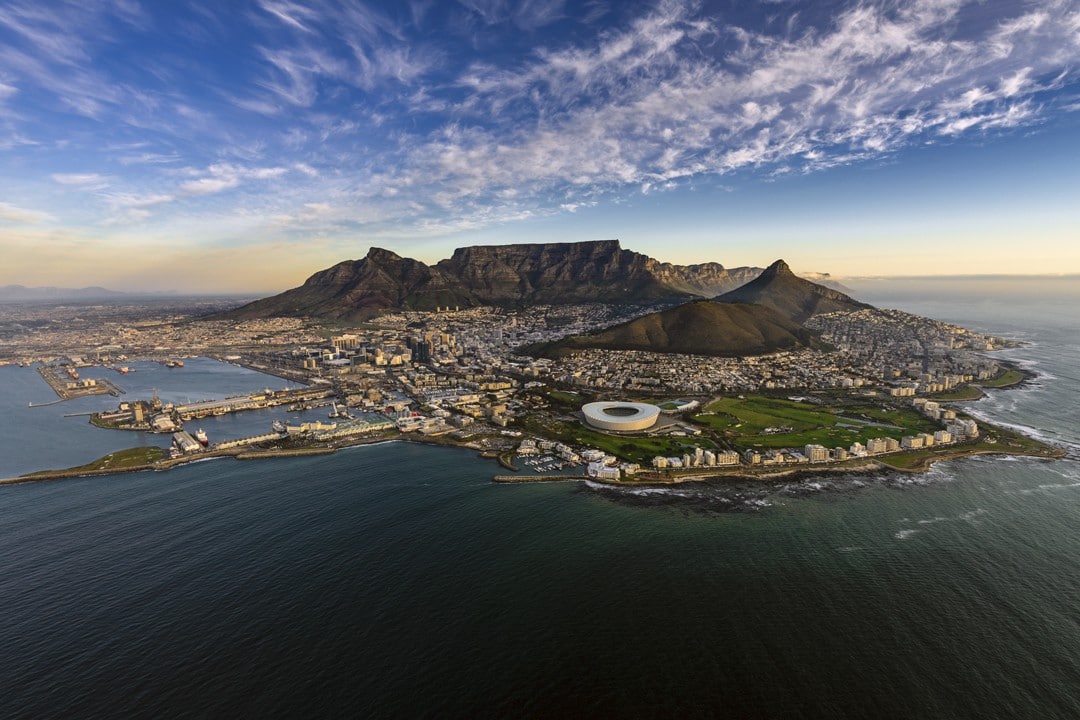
[279, 426]
[200, 435]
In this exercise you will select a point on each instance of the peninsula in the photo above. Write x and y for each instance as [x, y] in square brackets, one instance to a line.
[778, 375]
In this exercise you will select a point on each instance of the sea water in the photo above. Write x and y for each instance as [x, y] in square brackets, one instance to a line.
[396, 580]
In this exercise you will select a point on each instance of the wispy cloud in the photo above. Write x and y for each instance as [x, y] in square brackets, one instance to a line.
[82, 181]
[650, 104]
[224, 176]
[11, 213]
[428, 117]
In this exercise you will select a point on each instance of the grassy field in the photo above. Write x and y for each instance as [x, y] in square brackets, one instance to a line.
[1009, 377]
[966, 392]
[769, 423]
[563, 397]
[637, 449]
[121, 460]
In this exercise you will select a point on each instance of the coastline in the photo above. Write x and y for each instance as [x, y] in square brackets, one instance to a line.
[920, 461]
[847, 467]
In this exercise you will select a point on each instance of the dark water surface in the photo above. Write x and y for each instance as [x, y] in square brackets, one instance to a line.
[397, 581]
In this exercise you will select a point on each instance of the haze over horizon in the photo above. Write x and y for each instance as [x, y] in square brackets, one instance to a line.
[242, 148]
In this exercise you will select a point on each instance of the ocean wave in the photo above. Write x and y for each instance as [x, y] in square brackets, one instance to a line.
[1047, 436]
[904, 534]
[970, 516]
[707, 499]
[1045, 487]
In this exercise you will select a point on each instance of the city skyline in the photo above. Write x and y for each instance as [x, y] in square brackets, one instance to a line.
[241, 149]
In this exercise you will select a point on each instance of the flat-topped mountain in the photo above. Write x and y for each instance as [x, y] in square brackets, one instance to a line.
[501, 275]
[791, 296]
[703, 327]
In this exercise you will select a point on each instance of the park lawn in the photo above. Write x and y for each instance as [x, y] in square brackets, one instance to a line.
[1009, 377]
[120, 460]
[716, 421]
[810, 424]
[566, 398]
[909, 421]
[640, 449]
[757, 413]
[637, 449]
[962, 393]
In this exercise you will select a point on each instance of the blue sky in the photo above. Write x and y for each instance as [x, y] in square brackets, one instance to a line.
[243, 145]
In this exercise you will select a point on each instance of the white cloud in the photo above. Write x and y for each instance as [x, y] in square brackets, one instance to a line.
[204, 186]
[225, 176]
[15, 214]
[648, 105]
[83, 181]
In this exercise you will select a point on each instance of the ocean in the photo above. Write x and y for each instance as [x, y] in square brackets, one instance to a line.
[396, 580]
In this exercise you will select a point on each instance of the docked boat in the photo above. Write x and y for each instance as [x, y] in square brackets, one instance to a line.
[200, 435]
[279, 426]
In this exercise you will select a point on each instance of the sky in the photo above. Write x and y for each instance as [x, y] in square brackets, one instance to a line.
[241, 146]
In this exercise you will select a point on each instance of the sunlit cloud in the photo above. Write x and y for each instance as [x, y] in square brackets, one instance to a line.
[11, 213]
[421, 119]
[83, 181]
[224, 176]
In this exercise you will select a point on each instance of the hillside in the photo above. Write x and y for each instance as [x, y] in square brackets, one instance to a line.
[791, 296]
[702, 327]
[500, 275]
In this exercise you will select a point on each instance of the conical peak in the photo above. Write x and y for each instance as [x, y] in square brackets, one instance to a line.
[778, 268]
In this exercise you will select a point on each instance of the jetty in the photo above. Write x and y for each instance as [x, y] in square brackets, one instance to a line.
[537, 478]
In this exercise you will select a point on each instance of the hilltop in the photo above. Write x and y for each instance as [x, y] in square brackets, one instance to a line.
[778, 288]
[764, 315]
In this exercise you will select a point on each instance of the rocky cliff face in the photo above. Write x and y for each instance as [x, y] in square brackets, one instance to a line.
[557, 273]
[705, 279]
[503, 275]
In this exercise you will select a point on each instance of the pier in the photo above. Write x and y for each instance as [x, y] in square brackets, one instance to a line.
[45, 404]
[537, 478]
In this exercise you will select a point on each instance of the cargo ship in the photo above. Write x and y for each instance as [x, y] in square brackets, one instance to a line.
[200, 435]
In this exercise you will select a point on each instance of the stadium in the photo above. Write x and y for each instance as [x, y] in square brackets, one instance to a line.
[621, 416]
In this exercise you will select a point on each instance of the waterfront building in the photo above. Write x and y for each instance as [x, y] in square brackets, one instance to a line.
[816, 453]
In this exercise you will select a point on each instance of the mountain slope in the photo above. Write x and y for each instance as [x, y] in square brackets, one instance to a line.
[502, 275]
[793, 297]
[702, 327]
[356, 289]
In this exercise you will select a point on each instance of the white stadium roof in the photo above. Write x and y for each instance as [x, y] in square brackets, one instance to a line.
[621, 416]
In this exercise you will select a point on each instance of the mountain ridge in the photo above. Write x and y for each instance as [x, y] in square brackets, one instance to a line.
[501, 275]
